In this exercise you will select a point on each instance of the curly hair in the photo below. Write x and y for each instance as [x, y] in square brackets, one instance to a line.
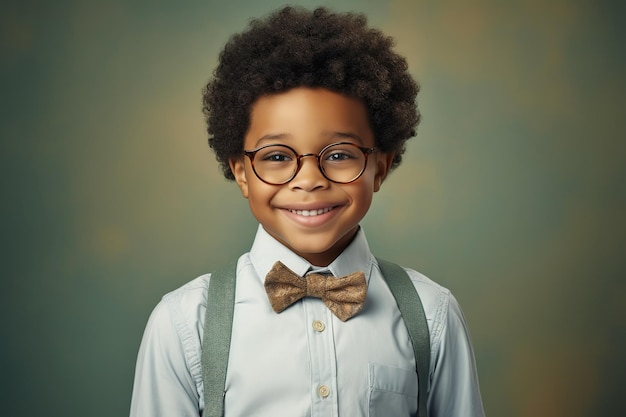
[294, 47]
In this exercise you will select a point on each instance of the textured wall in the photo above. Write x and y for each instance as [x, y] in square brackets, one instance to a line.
[512, 195]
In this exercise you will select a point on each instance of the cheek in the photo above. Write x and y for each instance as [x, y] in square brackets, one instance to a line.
[369, 182]
[257, 205]
[363, 192]
[260, 195]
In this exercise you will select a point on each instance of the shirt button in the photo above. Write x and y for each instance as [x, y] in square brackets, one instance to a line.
[318, 326]
[323, 391]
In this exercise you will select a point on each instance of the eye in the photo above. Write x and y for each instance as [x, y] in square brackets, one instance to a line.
[339, 155]
[274, 155]
[277, 157]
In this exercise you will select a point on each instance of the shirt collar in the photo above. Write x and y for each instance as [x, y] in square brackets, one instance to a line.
[266, 251]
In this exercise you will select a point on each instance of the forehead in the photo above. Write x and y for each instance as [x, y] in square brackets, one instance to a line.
[305, 115]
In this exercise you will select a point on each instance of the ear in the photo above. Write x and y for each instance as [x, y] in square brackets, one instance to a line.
[238, 168]
[383, 166]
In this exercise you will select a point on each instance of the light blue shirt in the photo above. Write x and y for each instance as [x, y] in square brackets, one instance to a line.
[305, 361]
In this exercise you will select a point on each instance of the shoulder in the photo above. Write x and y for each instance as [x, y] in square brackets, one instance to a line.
[185, 307]
[437, 301]
[184, 304]
[175, 324]
[434, 297]
[190, 295]
[426, 287]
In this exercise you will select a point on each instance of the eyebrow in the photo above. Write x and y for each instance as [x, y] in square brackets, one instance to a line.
[270, 137]
[347, 135]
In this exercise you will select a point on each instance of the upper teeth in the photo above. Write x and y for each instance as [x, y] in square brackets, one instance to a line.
[311, 212]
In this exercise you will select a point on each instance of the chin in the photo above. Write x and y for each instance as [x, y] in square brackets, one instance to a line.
[320, 249]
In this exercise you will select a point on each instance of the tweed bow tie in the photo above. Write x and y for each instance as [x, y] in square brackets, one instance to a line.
[344, 296]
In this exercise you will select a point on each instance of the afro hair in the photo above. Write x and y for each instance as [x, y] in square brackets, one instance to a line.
[295, 47]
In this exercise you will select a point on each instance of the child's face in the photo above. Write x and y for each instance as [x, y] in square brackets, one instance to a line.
[307, 120]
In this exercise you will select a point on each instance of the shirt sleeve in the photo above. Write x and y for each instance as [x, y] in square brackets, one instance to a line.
[164, 385]
[454, 390]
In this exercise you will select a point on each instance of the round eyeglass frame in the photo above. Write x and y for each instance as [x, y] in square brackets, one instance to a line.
[366, 152]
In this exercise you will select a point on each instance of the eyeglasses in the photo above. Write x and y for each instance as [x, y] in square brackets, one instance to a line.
[341, 162]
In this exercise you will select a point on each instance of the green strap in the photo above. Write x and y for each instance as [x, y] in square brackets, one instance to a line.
[412, 311]
[218, 324]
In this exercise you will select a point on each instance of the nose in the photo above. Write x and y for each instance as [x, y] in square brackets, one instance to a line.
[309, 177]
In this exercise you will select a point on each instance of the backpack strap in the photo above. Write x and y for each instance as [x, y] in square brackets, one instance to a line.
[412, 311]
[218, 325]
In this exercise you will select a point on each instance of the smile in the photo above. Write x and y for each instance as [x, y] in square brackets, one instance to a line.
[311, 213]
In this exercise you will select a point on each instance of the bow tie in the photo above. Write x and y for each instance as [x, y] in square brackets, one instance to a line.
[344, 296]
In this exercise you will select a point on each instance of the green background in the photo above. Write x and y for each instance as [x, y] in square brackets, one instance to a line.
[512, 195]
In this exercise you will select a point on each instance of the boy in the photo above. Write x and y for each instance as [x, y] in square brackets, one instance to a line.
[308, 112]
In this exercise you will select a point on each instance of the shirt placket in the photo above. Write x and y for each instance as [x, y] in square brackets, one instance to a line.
[319, 322]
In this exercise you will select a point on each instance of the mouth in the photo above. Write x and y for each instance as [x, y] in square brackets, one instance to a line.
[311, 213]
